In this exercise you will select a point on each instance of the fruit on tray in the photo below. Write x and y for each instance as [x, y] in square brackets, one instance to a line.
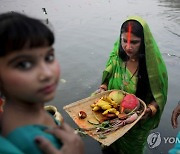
[106, 104]
[116, 96]
[82, 114]
[129, 103]
[116, 104]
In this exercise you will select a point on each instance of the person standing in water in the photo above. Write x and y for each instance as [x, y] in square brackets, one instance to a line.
[136, 66]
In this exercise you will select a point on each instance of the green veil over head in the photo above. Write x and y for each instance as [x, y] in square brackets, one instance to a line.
[156, 70]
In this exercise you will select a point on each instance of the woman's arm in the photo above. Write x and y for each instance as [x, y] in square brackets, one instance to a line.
[175, 114]
[102, 87]
[151, 110]
[153, 107]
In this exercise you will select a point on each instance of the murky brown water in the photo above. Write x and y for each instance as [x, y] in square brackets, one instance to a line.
[85, 32]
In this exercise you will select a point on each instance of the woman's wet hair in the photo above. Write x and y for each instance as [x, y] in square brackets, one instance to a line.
[18, 32]
[143, 86]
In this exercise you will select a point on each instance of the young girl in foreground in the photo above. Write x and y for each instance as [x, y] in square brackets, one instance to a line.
[29, 75]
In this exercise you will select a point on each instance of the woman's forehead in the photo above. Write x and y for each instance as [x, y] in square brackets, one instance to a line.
[125, 35]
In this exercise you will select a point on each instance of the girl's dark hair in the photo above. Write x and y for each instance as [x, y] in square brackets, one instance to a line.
[17, 31]
[143, 87]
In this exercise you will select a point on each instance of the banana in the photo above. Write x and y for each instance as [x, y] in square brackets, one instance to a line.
[93, 105]
[96, 108]
[114, 104]
[109, 100]
[100, 103]
[111, 110]
[107, 104]
[117, 113]
[106, 107]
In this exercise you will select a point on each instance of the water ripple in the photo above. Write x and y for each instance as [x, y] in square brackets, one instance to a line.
[175, 33]
[171, 55]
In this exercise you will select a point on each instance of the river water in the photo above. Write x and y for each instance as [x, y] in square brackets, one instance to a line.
[85, 32]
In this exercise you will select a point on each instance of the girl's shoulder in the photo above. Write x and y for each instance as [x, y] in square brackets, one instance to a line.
[23, 138]
[8, 147]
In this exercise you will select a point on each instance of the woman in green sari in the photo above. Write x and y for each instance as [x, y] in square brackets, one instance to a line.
[136, 66]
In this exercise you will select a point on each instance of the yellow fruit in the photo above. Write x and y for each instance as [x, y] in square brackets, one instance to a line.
[117, 113]
[100, 103]
[96, 108]
[113, 103]
[106, 106]
[93, 105]
[111, 110]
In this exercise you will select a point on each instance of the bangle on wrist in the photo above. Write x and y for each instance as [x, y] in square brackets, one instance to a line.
[103, 86]
[153, 109]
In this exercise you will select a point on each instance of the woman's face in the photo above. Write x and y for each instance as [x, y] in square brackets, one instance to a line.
[29, 75]
[130, 44]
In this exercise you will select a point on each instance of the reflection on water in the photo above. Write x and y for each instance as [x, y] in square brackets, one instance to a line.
[85, 32]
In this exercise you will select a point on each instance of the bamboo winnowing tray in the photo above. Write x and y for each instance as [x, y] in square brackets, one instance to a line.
[84, 105]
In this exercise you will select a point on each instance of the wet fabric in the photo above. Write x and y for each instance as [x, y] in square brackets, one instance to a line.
[158, 80]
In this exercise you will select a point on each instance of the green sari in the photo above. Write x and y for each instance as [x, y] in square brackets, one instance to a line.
[135, 140]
